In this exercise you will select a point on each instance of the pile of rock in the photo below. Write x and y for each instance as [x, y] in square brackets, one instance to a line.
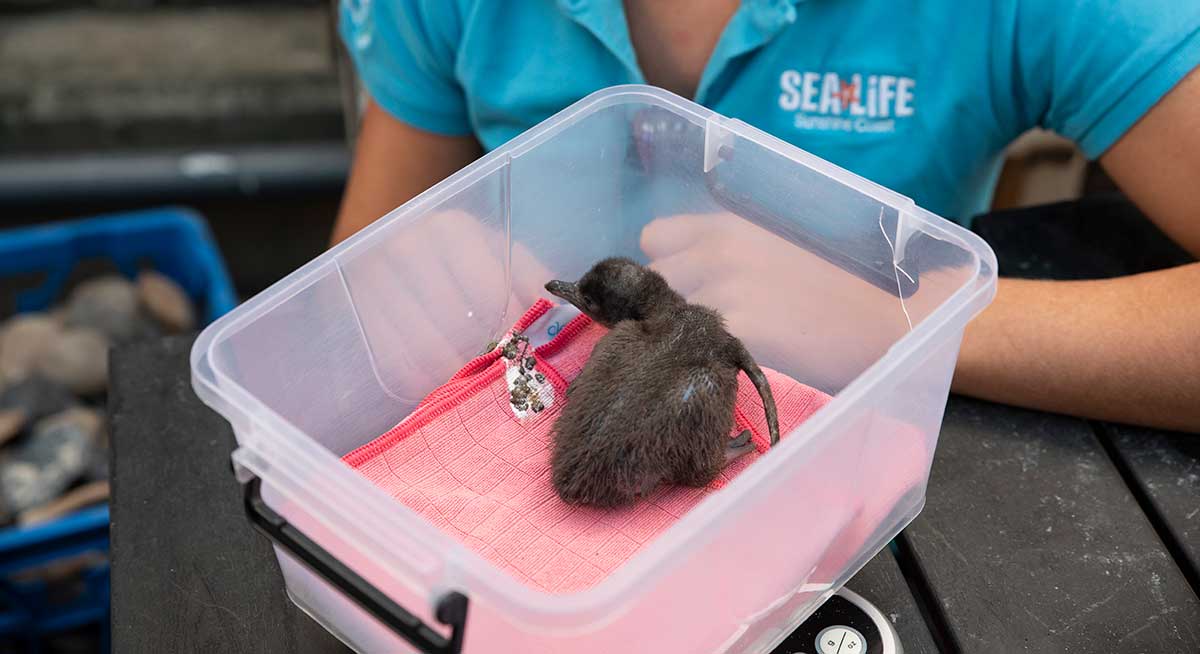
[53, 376]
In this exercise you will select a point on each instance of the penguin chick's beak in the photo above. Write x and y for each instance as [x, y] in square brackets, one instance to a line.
[565, 290]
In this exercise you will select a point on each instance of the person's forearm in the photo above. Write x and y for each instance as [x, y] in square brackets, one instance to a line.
[393, 163]
[1125, 349]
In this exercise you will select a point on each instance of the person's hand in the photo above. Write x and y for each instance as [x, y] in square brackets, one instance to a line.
[430, 295]
[795, 311]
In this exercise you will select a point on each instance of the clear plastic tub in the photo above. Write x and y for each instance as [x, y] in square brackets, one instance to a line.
[827, 277]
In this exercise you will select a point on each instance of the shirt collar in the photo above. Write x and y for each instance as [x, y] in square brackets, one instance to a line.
[754, 24]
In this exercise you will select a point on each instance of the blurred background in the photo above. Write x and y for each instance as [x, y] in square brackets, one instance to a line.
[233, 108]
[241, 111]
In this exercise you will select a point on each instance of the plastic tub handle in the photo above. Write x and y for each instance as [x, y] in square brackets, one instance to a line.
[451, 608]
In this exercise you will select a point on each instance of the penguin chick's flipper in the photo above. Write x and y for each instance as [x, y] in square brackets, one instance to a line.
[750, 367]
[738, 446]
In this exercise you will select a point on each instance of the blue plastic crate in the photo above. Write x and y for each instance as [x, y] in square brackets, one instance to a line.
[177, 243]
[176, 240]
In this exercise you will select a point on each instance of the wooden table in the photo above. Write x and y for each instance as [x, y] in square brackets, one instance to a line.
[1041, 533]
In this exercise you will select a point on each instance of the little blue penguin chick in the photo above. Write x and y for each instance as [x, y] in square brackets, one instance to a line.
[654, 403]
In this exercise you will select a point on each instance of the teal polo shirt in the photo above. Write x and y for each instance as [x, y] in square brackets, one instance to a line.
[921, 96]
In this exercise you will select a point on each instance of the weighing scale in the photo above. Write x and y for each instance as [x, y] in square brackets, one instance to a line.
[845, 624]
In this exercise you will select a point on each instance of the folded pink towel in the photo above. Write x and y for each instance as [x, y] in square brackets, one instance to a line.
[479, 468]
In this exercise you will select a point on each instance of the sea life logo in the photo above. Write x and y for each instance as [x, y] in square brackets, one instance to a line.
[857, 103]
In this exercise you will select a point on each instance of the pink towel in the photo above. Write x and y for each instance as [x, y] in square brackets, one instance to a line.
[480, 469]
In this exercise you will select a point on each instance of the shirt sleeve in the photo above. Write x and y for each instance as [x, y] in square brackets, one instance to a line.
[1092, 69]
[405, 52]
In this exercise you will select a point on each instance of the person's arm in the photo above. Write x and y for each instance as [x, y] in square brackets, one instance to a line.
[1124, 349]
[393, 162]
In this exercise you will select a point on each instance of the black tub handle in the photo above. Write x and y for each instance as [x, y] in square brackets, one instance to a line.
[451, 608]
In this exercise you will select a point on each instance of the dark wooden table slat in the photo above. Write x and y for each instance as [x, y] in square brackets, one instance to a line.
[1031, 542]
[1166, 468]
[189, 574]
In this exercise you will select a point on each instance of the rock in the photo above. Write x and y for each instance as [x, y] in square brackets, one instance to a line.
[166, 301]
[58, 313]
[38, 397]
[12, 421]
[73, 500]
[78, 359]
[22, 486]
[23, 340]
[54, 456]
[89, 421]
[108, 304]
